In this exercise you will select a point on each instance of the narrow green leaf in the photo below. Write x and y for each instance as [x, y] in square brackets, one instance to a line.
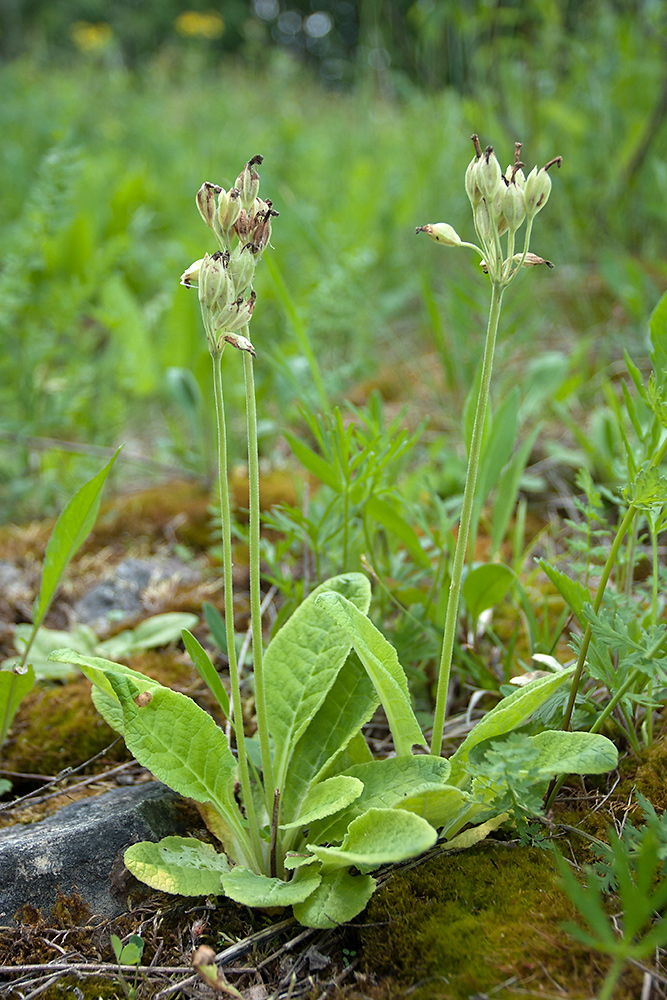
[379, 837]
[382, 512]
[313, 462]
[485, 586]
[302, 663]
[327, 798]
[245, 886]
[381, 661]
[339, 897]
[117, 946]
[475, 834]
[507, 715]
[206, 671]
[181, 865]
[216, 625]
[658, 327]
[69, 533]
[573, 592]
[13, 688]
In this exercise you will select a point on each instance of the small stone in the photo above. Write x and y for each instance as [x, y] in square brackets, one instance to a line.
[81, 847]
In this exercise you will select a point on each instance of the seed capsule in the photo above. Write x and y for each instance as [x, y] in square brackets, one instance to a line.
[205, 199]
[441, 232]
[248, 182]
[488, 174]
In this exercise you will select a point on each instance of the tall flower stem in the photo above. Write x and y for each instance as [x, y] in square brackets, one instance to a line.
[451, 619]
[255, 592]
[226, 521]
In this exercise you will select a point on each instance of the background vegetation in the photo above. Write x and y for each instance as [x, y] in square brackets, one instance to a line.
[112, 115]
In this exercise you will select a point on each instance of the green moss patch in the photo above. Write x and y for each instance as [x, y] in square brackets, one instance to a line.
[463, 924]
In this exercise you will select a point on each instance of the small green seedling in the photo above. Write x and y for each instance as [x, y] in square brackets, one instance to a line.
[128, 954]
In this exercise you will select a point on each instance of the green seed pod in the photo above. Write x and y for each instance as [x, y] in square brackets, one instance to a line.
[514, 206]
[247, 182]
[537, 191]
[488, 174]
[229, 206]
[236, 315]
[441, 232]
[205, 199]
[241, 268]
[215, 285]
[484, 222]
[472, 187]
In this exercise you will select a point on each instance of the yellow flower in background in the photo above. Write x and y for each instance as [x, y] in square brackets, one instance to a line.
[90, 37]
[200, 24]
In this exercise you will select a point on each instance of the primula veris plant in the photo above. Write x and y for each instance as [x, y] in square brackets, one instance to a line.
[304, 812]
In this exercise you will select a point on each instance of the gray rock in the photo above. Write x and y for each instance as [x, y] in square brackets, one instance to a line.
[81, 847]
[120, 594]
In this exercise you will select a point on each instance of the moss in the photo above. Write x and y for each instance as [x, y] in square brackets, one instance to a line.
[86, 988]
[466, 923]
[59, 727]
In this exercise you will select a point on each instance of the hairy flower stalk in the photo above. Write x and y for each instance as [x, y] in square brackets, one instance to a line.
[241, 223]
[500, 203]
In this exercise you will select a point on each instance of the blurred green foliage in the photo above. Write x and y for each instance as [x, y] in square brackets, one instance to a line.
[100, 162]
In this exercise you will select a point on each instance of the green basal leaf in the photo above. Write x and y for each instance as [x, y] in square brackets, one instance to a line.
[69, 532]
[381, 661]
[387, 784]
[350, 703]
[301, 664]
[507, 715]
[574, 753]
[96, 669]
[327, 798]
[573, 592]
[244, 886]
[340, 897]
[206, 671]
[379, 837]
[158, 729]
[159, 734]
[294, 860]
[181, 865]
[13, 688]
[485, 586]
[444, 808]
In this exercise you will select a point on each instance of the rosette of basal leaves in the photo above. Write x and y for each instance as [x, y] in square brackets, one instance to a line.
[339, 813]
